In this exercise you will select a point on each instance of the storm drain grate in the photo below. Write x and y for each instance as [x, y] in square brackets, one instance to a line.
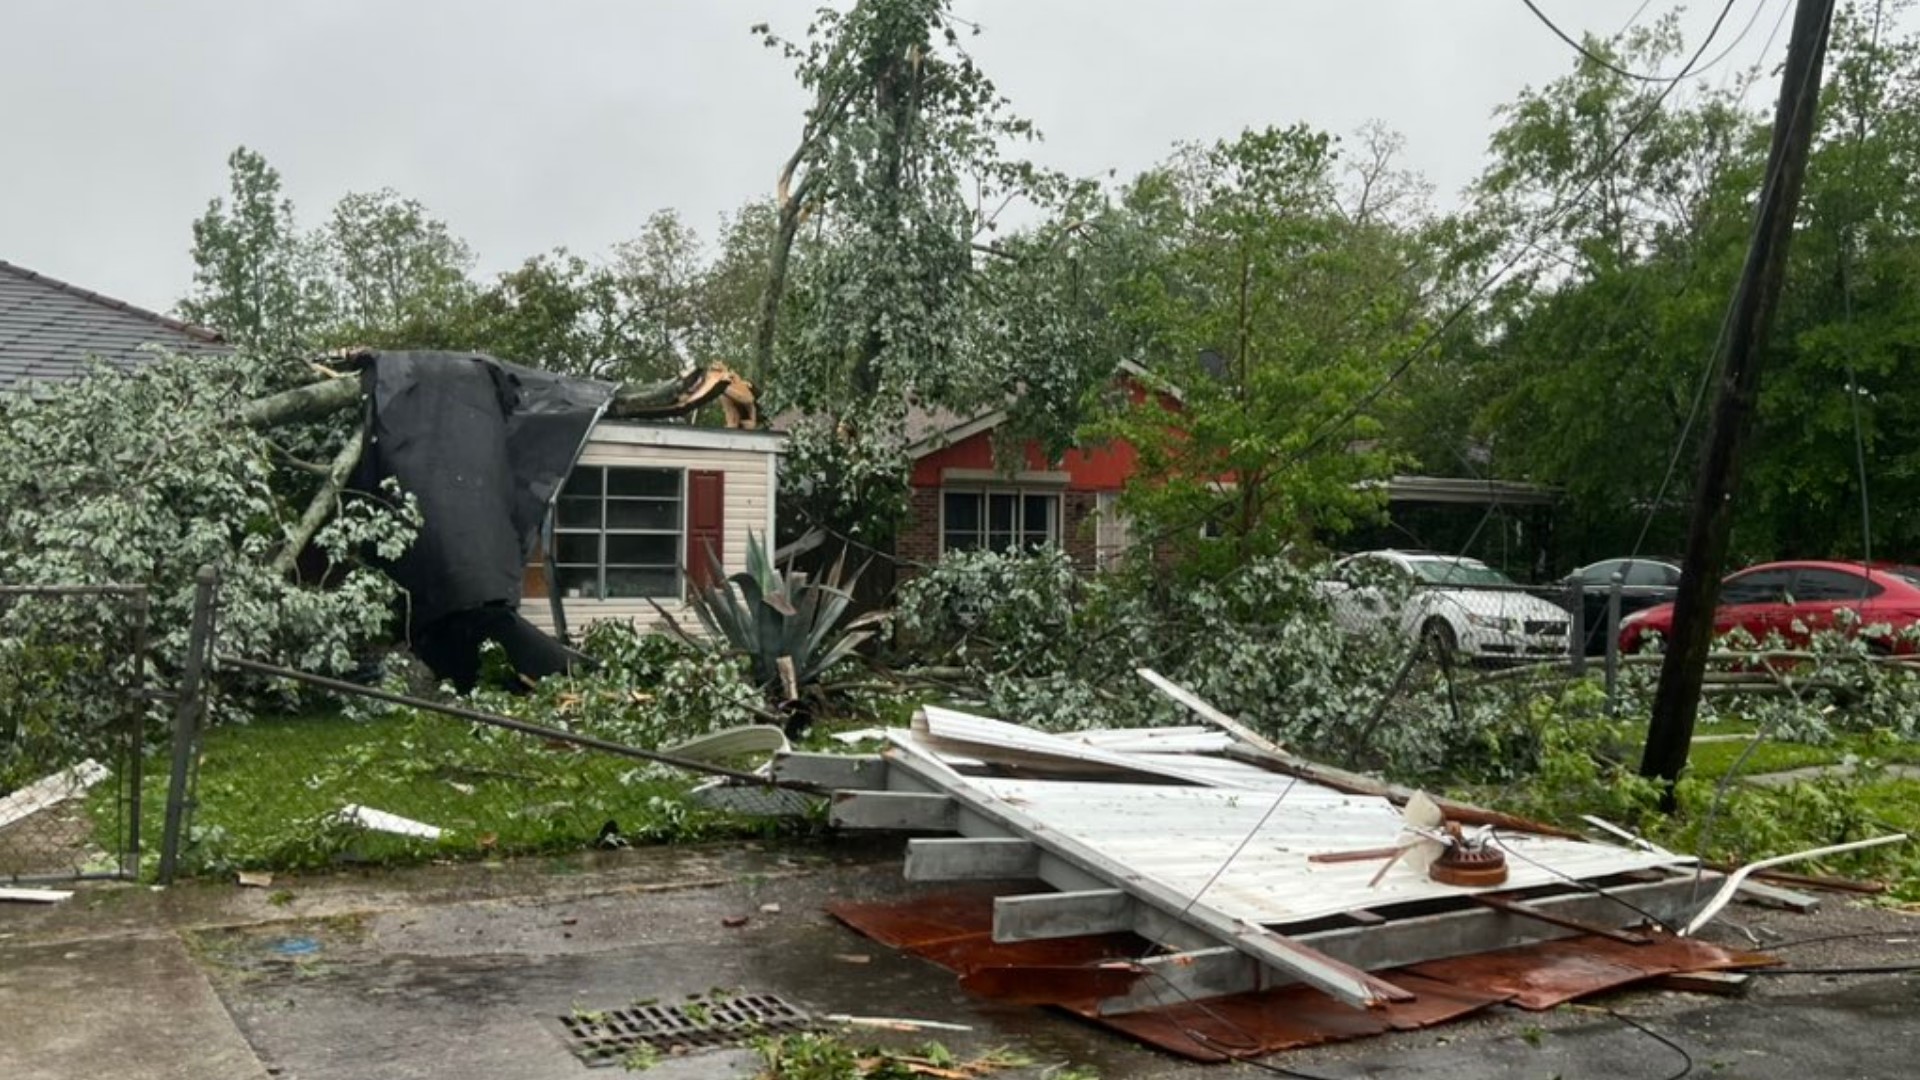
[608, 1036]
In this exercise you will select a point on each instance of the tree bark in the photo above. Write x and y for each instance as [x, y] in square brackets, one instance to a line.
[323, 502]
[309, 402]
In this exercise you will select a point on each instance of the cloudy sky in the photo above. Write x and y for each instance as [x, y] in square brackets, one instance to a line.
[528, 124]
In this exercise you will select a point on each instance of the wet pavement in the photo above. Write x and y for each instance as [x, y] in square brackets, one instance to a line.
[465, 972]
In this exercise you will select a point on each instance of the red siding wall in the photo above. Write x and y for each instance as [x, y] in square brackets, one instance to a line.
[1089, 471]
[1098, 468]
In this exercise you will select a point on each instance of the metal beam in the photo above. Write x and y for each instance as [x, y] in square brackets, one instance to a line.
[902, 811]
[1336, 978]
[970, 859]
[1218, 971]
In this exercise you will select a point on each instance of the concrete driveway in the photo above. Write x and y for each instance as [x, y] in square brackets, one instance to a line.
[463, 972]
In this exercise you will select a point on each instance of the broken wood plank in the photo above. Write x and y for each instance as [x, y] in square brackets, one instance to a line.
[33, 896]
[1341, 980]
[1721, 983]
[1515, 907]
[1220, 971]
[866, 772]
[50, 791]
[1279, 760]
[1773, 896]
[900, 811]
[1062, 914]
[1204, 710]
[970, 859]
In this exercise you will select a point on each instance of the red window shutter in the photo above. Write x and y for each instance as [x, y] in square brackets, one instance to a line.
[706, 523]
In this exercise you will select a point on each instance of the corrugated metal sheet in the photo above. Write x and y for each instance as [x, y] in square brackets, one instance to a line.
[1181, 837]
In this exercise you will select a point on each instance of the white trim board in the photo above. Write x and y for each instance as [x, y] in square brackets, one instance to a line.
[631, 433]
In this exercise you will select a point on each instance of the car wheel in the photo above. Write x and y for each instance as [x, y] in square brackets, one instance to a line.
[1440, 640]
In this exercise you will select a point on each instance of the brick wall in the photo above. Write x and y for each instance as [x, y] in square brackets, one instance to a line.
[919, 537]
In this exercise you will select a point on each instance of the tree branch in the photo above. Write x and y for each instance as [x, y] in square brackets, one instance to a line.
[323, 502]
[310, 402]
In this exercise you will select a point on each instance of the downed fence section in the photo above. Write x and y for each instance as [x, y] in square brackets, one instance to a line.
[74, 720]
[1204, 902]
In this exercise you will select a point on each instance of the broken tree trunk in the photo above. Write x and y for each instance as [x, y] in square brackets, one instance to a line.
[323, 502]
[665, 398]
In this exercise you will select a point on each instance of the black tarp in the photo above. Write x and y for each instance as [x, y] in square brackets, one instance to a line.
[482, 445]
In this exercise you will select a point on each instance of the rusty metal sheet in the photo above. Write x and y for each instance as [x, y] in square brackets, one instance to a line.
[955, 930]
[1551, 973]
[1250, 1025]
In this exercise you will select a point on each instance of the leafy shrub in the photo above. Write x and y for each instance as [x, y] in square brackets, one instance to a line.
[1035, 644]
[143, 478]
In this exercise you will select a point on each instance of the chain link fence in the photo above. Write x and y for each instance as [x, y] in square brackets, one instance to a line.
[75, 719]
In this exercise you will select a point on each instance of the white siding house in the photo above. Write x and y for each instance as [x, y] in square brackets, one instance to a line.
[637, 514]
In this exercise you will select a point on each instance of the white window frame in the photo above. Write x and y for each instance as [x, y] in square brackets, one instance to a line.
[1021, 495]
[555, 530]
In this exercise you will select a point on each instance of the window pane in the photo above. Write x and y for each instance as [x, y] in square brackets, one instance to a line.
[626, 581]
[577, 513]
[965, 541]
[1000, 542]
[584, 481]
[658, 482]
[1831, 585]
[1000, 511]
[643, 514]
[963, 511]
[642, 550]
[1038, 514]
[577, 548]
[1760, 587]
[579, 581]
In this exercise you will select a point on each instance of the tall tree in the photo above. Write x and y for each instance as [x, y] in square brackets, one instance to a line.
[399, 275]
[899, 169]
[1279, 296]
[256, 279]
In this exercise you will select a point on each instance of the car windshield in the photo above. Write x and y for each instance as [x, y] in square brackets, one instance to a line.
[1908, 574]
[1458, 572]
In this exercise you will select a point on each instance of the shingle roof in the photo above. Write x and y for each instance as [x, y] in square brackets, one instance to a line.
[49, 329]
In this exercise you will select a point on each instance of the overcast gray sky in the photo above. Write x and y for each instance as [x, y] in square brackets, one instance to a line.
[538, 123]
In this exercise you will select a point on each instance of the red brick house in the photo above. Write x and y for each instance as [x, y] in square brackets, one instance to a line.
[962, 499]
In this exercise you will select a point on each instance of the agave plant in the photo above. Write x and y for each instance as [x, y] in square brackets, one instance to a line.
[787, 625]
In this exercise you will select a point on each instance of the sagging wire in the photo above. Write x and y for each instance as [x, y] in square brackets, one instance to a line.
[1587, 886]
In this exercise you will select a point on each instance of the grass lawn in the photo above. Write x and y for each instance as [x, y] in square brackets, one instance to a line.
[268, 790]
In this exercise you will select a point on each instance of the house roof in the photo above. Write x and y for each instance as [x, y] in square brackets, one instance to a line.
[49, 329]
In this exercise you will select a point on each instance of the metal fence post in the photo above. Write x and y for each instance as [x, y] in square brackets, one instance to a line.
[1577, 609]
[137, 699]
[187, 714]
[1613, 636]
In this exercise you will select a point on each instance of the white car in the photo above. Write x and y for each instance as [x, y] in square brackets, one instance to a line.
[1461, 606]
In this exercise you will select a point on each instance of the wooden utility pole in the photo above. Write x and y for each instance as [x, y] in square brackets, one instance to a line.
[1677, 701]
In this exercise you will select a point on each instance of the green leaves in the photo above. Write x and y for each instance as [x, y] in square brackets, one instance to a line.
[783, 623]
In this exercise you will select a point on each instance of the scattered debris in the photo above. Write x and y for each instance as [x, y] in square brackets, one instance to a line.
[33, 896]
[380, 821]
[254, 879]
[893, 1023]
[51, 791]
[1739, 876]
[734, 922]
[853, 958]
[769, 909]
[1201, 875]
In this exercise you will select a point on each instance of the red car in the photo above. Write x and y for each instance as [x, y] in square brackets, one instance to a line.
[1796, 599]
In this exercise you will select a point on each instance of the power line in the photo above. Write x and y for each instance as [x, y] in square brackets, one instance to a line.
[1594, 57]
[1549, 220]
